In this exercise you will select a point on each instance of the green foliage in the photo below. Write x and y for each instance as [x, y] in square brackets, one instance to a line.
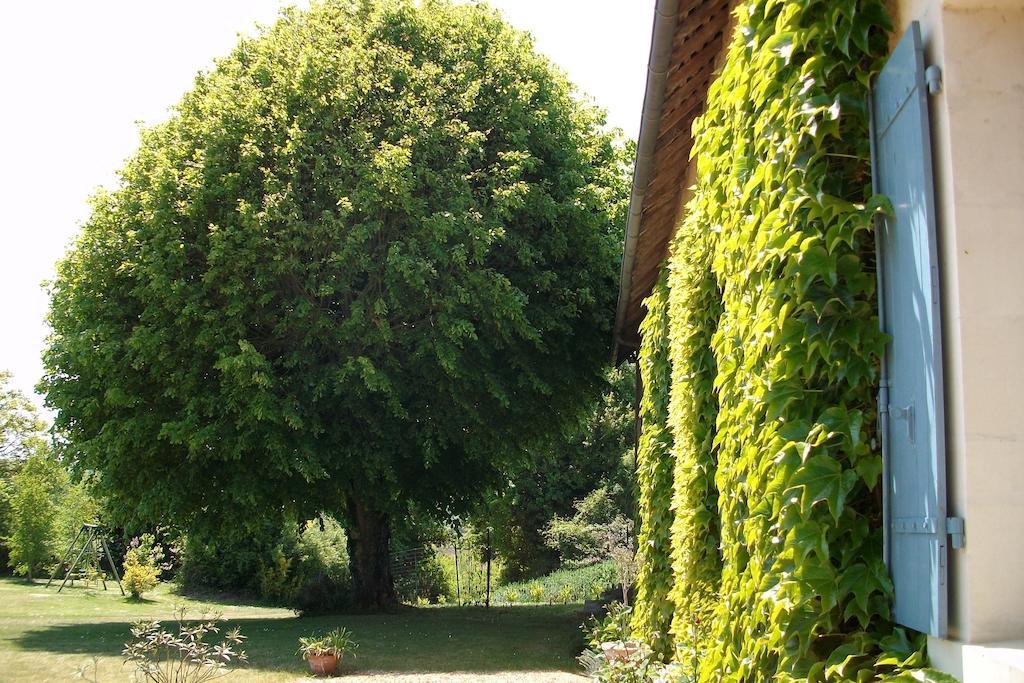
[22, 434]
[47, 510]
[322, 567]
[371, 258]
[598, 453]
[304, 566]
[6, 494]
[562, 586]
[276, 579]
[615, 625]
[142, 565]
[652, 616]
[21, 428]
[431, 580]
[76, 505]
[33, 515]
[694, 308]
[760, 361]
[139, 578]
[228, 559]
[581, 539]
[186, 656]
[335, 642]
[472, 576]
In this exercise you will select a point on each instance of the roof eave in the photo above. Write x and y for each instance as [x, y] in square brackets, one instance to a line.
[666, 15]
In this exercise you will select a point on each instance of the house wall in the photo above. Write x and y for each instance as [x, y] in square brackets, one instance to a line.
[978, 148]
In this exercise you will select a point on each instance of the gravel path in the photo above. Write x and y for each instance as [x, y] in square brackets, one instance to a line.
[510, 677]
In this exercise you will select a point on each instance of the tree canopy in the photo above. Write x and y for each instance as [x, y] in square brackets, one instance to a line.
[22, 431]
[371, 257]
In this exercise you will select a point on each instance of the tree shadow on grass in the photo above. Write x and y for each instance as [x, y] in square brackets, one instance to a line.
[216, 597]
[437, 640]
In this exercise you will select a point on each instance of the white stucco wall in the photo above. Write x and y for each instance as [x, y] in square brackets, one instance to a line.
[978, 147]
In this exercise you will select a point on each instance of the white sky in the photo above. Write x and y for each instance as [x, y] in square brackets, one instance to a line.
[76, 77]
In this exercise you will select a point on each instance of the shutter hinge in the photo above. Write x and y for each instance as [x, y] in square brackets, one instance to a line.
[933, 79]
[955, 529]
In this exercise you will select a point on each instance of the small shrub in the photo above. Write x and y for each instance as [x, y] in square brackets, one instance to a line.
[580, 539]
[612, 628]
[142, 565]
[640, 666]
[276, 581]
[161, 656]
[139, 578]
[565, 594]
[425, 581]
[472, 576]
[513, 596]
[323, 577]
[535, 591]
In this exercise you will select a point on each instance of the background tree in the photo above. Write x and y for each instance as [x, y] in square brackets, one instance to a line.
[371, 258]
[46, 511]
[22, 433]
[33, 514]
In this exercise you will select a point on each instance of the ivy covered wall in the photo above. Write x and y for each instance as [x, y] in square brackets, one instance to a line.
[760, 532]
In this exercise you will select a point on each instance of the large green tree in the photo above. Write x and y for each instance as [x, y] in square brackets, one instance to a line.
[370, 259]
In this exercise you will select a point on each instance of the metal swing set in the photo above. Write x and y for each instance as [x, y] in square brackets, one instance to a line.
[94, 542]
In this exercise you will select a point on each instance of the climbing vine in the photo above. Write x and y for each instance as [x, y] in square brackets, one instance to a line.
[653, 614]
[694, 308]
[761, 352]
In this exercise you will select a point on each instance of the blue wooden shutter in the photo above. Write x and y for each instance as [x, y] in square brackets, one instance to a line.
[911, 398]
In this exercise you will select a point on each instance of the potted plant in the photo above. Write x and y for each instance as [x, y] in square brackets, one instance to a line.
[324, 652]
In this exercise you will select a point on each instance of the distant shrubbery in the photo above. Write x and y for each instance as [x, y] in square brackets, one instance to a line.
[305, 567]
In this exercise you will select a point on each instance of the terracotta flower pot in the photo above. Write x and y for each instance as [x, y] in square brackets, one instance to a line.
[620, 651]
[323, 665]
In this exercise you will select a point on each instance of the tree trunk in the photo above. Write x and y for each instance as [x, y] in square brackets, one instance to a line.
[369, 549]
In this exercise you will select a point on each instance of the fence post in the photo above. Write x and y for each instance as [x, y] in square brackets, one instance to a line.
[487, 602]
[458, 589]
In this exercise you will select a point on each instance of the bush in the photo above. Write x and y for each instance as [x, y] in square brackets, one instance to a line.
[142, 565]
[472, 578]
[305, 567]
[584, 537]
[426, 581]
[224, 558]
[139, 578]
[276, 580]
[163, 656]
[322, 574]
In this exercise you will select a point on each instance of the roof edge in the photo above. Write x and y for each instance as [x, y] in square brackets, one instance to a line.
[666, 14]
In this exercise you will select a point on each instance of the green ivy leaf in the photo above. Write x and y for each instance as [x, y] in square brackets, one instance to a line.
[823, 479]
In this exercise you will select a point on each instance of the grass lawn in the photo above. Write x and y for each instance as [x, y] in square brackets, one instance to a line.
[45, 636]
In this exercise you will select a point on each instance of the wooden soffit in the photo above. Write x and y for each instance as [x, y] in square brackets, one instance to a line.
[697, 45]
